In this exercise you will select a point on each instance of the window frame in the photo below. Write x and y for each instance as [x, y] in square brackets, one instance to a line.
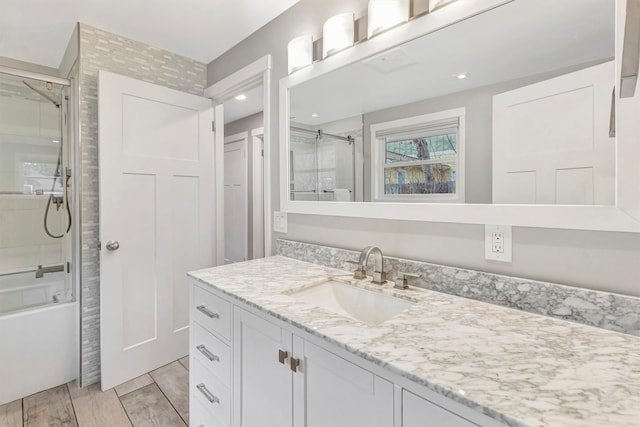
[379, 156]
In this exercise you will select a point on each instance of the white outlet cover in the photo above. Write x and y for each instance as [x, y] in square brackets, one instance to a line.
[489, 254]
[279, 222]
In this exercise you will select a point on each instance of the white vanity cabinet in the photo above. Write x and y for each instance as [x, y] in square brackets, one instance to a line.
[210, 359]
[283, 380]
[252, 370]
[262, 376]
[330, 391]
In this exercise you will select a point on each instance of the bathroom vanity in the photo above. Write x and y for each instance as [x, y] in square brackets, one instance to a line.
[268, 348]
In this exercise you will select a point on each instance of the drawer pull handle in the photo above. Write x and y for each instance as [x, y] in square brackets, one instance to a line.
[203, 309]
[294, 364]
[283, 356]
[205, 391]
[204, 350]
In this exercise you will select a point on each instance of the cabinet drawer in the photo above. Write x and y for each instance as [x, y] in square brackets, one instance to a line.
[212, 353]
[212, 312]
[212, 395]
[201, 416]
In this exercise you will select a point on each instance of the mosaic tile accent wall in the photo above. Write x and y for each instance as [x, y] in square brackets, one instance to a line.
[615, 312]
[101, 50]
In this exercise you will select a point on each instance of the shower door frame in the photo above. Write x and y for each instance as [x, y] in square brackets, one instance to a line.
[69, 133]
[47, 319]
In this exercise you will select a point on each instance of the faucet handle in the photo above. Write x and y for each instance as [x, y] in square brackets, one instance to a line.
[403, 283]
[359, 273]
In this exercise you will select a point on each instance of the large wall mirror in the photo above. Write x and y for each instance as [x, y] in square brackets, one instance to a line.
[510, 108]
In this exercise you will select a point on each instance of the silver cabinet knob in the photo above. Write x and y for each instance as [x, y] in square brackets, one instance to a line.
[113, 245]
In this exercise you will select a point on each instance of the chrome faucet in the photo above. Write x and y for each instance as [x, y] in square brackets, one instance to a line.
[379, 276]
[41, 271]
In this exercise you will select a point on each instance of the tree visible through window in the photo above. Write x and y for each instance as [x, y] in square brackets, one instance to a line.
[419, 158]
[420, 177]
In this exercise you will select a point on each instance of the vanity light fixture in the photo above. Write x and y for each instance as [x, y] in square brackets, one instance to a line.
[300, 52]
[337, 33]
[384, 14]
[241, 97]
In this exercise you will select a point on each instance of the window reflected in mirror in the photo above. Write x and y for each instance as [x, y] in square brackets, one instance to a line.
[419, 158]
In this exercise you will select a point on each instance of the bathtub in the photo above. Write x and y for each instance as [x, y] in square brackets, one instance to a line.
[23, 291]
[38, 339]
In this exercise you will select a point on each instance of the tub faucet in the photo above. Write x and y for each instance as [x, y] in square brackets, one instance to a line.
[379, 276]
[41, 271]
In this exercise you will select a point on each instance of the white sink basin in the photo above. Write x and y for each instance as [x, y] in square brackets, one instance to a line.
[350, 301]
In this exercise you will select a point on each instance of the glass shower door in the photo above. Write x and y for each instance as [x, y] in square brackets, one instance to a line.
[34, 210]
[322, 166]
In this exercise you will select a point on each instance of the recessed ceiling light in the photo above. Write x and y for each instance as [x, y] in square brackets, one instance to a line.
[55, 141]
[241, 97]
[314, 115]
[462, 76]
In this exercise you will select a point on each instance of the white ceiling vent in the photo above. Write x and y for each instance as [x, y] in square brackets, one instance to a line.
[390, 61]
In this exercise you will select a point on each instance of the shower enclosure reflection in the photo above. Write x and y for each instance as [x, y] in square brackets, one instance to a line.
[34, 207]
[323, 165]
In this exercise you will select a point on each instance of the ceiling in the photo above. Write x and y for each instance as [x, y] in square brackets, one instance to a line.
[38, 31]
[513, 41]
[235, 109]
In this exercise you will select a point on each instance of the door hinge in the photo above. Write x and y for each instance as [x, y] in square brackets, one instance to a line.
[262, 152]
[213, 126]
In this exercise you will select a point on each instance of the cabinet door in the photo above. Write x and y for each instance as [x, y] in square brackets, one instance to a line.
[418, 412]
[262, 385]
[329, 391]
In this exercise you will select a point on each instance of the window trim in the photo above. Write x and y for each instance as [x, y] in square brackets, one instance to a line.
[378, 154]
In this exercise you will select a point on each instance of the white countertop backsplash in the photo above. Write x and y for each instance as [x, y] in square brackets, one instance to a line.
[519, 368]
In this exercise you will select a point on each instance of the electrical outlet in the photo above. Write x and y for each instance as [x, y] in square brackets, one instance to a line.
[280, 222]
[498, 243]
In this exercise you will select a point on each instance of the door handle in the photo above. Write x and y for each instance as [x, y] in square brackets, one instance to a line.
[204, 350]
[294, 364]
[283, 356]
[113, 245]
[205, 391]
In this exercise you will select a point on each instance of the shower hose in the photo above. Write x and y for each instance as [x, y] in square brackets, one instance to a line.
[66, 199]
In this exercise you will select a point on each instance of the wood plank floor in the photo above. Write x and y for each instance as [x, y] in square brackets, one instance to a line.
[159, 398]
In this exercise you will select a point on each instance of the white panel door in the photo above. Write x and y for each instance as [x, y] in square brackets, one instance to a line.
[156, 201]
[236, 197]
[551, 141]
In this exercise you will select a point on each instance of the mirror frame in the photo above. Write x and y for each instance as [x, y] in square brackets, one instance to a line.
[624, 216]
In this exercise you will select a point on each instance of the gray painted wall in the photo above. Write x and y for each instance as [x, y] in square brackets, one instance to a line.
[596, 260]
[101, 50]
[246, 124]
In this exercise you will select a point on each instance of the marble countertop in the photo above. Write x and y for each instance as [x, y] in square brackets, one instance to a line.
[519, 368]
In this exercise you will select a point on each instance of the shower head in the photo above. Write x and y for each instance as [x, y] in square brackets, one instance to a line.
[42, 94]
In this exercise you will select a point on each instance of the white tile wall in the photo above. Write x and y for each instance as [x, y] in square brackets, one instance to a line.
[23, 125]
[23, 242]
